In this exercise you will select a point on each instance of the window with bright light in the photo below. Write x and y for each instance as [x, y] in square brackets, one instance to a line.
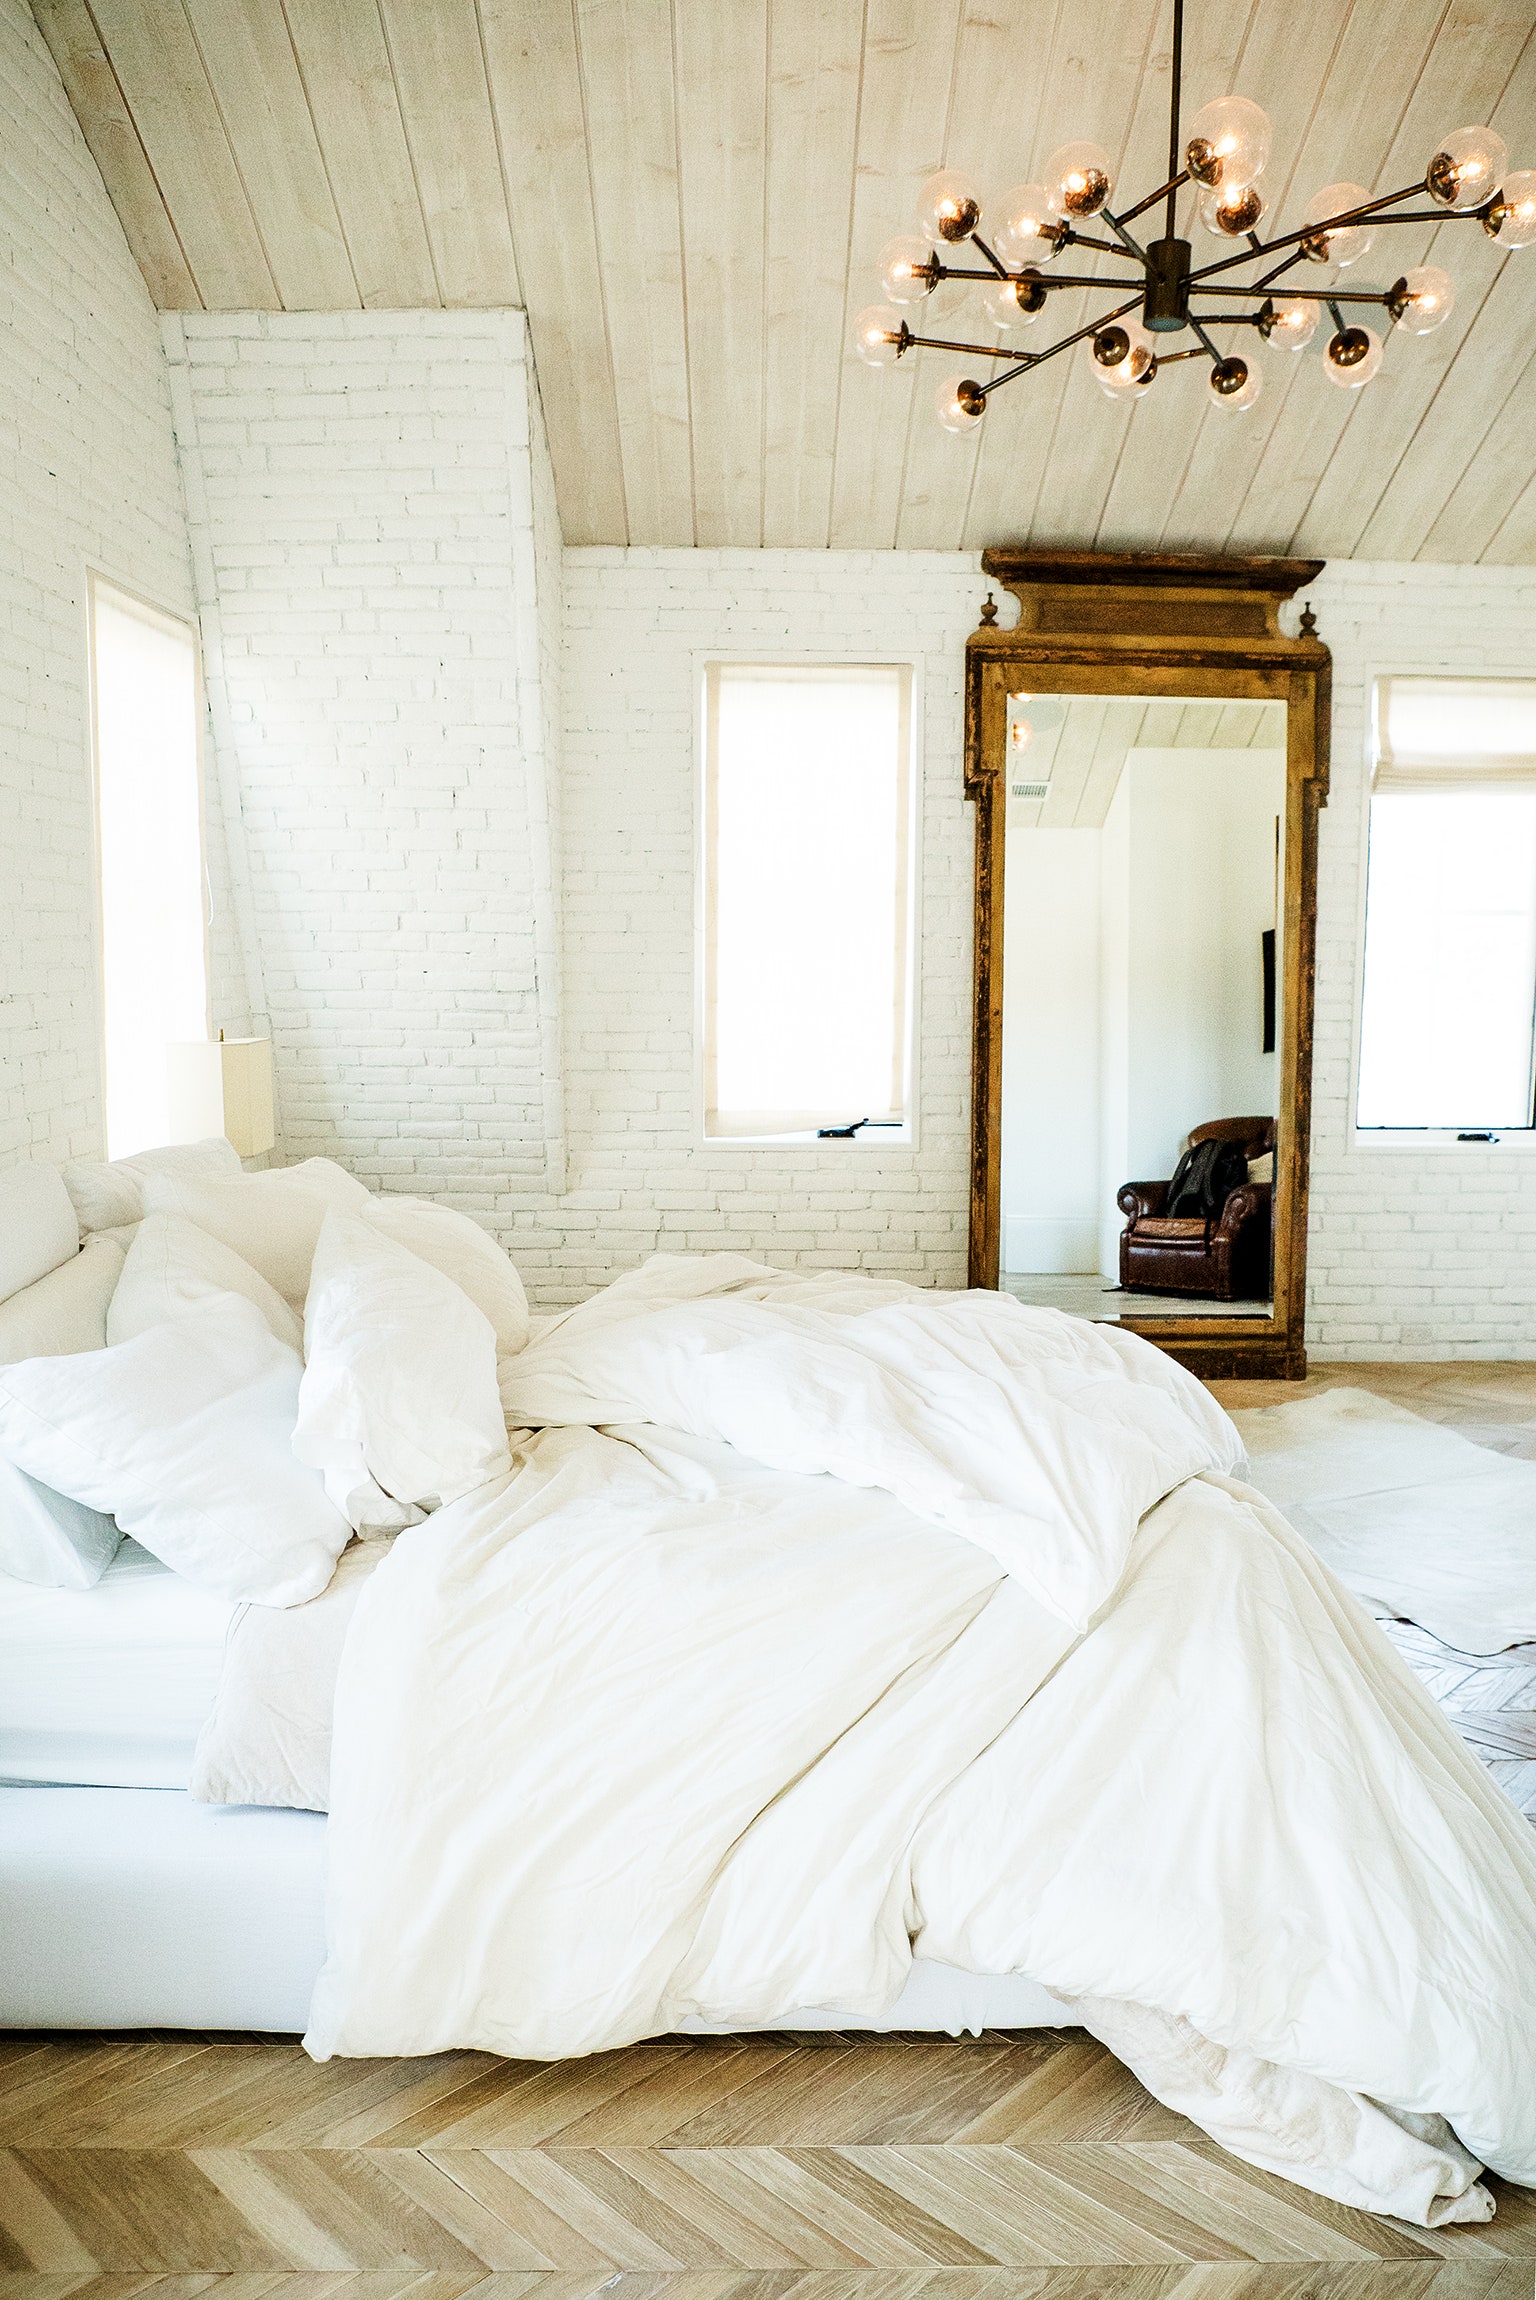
[149, 837]
[807, 901]
[1448, 1011]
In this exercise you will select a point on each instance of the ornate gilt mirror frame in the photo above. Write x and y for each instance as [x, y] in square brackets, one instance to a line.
[1128, 623]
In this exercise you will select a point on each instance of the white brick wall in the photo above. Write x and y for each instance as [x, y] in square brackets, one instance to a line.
[87, 478]
[640, 1179]
[364, 492]
[488, 996]
[1413, 1254]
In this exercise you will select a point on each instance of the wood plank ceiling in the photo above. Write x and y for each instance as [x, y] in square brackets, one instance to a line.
[688, 196]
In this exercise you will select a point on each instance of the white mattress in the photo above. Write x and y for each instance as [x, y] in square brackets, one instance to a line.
[108, 1686]
[126, 1908]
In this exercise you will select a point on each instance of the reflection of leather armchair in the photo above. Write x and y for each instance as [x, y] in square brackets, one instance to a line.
[1227, 1258]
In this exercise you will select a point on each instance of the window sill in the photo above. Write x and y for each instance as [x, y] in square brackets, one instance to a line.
[885, 1138]
[1430, 1140]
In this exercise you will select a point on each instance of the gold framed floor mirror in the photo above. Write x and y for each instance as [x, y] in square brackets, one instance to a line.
[1147, 751]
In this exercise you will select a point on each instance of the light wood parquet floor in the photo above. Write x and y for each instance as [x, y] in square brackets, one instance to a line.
[1028, 2167]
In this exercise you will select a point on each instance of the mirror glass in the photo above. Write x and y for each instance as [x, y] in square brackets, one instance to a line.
[1141, 1004]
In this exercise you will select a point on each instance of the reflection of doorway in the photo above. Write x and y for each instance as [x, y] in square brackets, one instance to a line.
[1134, 985]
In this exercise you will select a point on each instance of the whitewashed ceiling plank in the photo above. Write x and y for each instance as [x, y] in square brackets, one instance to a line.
[445, 103]
[909, 61]
[1000, 78]
[1513, 541]
[108, 127]
[1479, 510]
[255, 80]
[1482, 66]
[814, 55]
[345, 62]
[1109, 456]
[1043, 473]
[1388, 104]
[161, 74]
[1472, 400]
[535, 81]
[722, 108]
[628, 71]
[1287, 64]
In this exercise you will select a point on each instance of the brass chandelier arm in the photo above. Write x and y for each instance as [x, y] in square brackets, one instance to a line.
[1313, 295]
[1173, 184]
[1326, 224]
[1038, 358]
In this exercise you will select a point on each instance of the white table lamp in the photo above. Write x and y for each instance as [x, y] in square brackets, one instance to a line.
[221, 1086]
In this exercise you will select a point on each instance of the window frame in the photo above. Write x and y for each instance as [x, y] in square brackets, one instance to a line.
[886, 1141]
[177, 624]
[1395, 1141]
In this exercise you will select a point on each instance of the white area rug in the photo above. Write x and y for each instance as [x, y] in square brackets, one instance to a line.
[1435, 1530]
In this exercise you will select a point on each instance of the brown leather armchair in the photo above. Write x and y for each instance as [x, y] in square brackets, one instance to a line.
[1227, 1259]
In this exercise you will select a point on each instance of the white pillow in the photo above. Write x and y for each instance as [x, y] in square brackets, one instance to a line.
[171, 1264]
[105, 1196]
[66, 1311]
[457, 1246]
[38, 1229]
[398, 1404]
[47, 1538]
[271, 1220]
[185, 1435]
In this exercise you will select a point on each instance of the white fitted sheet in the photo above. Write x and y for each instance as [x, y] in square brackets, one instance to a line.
[108, 1687]
[124, 1908]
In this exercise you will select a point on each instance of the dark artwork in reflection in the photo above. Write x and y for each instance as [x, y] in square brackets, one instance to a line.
[1267, 950]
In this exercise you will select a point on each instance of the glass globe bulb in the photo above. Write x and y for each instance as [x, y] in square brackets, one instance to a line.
[1352, 357]
[1130, 389]
[1235, 383]
[959, 404]
[903, 269]
[1013, 303]
[947, 208]
[1467, 168]
[1025, 232]
[877, 334]
[1122, 353]
[1294, 322]
[1513, 221]
[1347, 244]
[1228, 143]
[1078, 180]
[1431, 293]
[1230, 214]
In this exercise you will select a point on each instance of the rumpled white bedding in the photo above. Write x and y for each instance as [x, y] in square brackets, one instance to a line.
[935, 1624]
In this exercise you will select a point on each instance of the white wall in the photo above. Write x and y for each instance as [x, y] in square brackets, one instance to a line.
[1051, 1151]
[1202, 888]
[1413, 1253]
[87, 479]
[378, 576]
[638, 624]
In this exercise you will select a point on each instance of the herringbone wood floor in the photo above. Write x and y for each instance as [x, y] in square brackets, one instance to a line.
[781, 2168]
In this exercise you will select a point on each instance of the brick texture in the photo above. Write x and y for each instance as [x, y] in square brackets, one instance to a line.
[87, 479]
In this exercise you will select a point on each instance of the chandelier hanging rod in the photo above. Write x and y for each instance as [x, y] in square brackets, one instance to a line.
[1223, 157]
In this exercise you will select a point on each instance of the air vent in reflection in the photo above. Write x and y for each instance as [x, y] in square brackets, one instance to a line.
[1028, 790]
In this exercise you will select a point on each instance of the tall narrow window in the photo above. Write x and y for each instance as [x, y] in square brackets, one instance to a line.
[807, 872]
[1448, 1012]
[149, 838]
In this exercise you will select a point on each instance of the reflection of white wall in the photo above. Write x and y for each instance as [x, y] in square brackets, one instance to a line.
[1202, 886]
[1051, 1155]
[1132, 993]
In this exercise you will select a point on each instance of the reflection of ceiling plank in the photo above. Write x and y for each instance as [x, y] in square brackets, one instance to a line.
[1083, 757]
[690, 194]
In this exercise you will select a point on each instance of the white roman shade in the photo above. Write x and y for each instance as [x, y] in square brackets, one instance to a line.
[1442, 734]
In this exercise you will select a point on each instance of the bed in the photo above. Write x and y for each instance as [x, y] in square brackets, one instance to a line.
[736, 1650]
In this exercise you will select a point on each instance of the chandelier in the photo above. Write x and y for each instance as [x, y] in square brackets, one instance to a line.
[1162, 293]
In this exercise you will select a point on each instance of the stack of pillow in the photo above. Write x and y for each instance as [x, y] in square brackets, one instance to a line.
[289, 1361]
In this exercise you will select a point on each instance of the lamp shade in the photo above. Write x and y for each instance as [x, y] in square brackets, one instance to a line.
[221, 1086]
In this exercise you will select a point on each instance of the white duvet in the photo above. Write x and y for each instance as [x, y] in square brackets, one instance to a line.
[826, 1622]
